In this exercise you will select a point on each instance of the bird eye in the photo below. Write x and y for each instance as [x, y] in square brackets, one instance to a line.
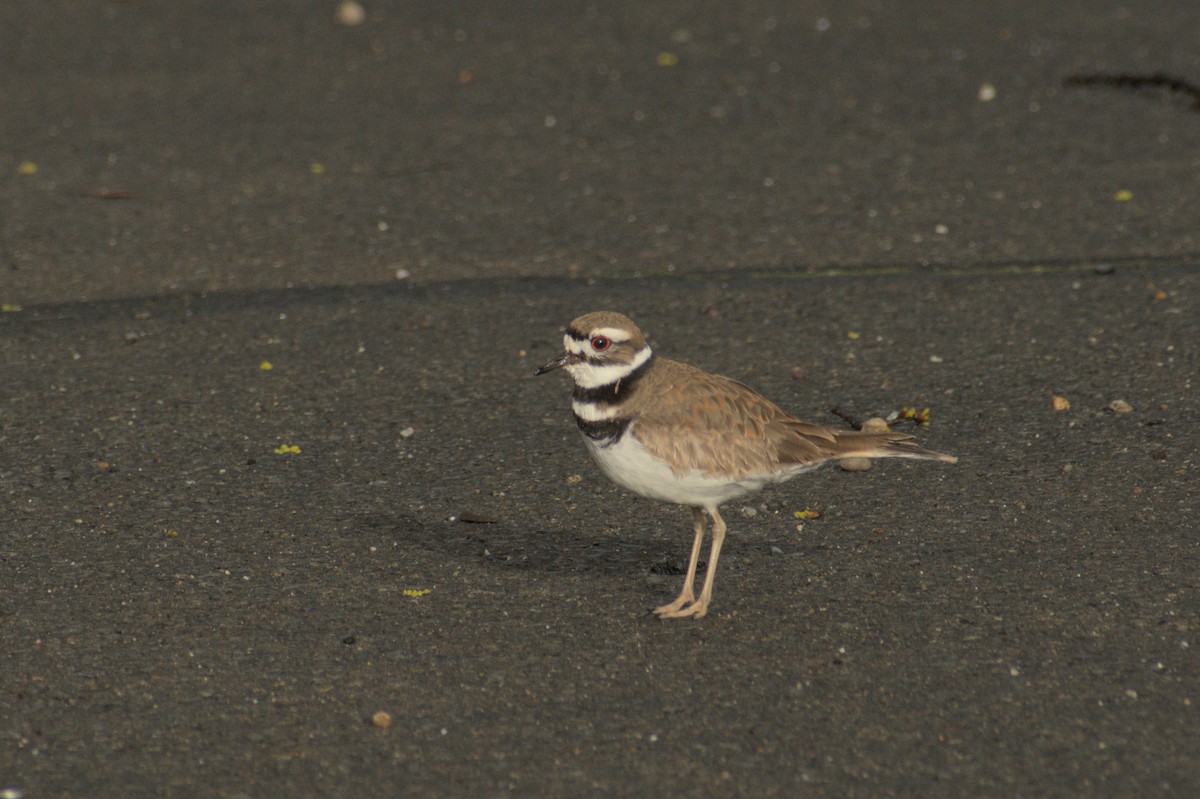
[601, 343]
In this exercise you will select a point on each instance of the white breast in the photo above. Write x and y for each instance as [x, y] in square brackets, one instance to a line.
[631, 465]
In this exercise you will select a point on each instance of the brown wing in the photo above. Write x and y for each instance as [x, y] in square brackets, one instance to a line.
[713, 425]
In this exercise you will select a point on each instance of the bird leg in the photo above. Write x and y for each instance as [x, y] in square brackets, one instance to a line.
[686, 597]
[699, 607]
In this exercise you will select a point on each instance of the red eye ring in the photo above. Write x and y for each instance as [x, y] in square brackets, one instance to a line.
[601, 343]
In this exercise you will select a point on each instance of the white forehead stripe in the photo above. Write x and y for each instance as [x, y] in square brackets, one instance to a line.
[588, 375]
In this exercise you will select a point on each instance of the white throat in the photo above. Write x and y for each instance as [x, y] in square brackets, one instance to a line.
[590, 375]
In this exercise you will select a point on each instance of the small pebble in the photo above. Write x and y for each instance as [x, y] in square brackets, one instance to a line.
[855, 464]
[1120, 406]
[382, 719]
[350, 13]
[407, 432]
[1060, 403]
[987, 93]
[1104, 269]
[749, 512]
[875, 425]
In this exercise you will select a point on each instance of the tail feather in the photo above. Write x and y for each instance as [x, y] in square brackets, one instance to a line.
[803, 443]
[854, 444]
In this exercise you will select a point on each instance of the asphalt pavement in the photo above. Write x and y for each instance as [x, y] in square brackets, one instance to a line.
[287, 513]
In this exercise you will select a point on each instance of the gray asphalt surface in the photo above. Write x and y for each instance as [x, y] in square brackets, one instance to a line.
[213, 573]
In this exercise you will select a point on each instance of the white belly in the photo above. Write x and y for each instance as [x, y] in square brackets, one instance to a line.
[629, 464]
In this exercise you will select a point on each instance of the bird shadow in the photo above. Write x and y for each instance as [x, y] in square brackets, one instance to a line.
[501, 545]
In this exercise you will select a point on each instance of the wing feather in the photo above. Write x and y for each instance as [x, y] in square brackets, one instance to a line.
[706, 423]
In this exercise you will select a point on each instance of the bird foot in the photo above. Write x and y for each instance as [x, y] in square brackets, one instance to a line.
[685, 598]
[682, 608]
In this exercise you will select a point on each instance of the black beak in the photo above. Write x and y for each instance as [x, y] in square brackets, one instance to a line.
[557, 363]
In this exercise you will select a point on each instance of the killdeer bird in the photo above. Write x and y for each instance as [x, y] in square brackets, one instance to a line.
[672, 432]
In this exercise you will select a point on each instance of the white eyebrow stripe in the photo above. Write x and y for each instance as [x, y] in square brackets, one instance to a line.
[613, 334]
[594, 412]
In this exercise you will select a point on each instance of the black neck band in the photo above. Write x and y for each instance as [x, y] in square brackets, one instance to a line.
[616, 391]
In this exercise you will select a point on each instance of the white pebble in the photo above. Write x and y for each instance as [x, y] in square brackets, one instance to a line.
[350, 13]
